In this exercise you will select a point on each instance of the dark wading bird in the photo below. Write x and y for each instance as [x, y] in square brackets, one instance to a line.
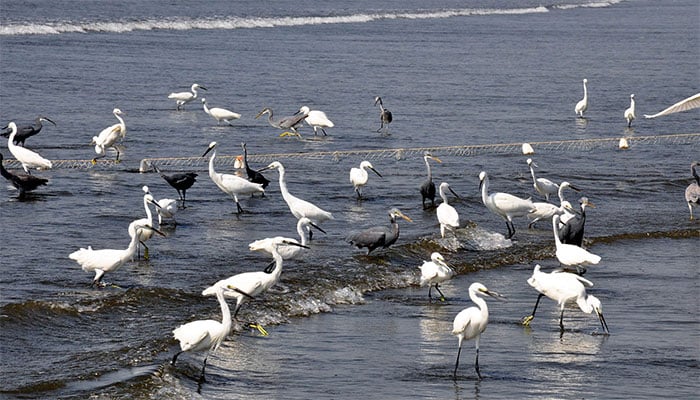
[379, 236]
[384, 115]
[572, 230]
[692, 192]
[23, 182]
[290, 123]
[427, 188]
[180, 181]
[253, 175]
[26, 131]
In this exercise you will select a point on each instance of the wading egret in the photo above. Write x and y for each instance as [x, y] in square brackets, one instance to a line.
[471, 322]
[683, 105]
[144, 234]
[316, 119]
[26, 131]
[570, 255]
[543, 186]
[285, 250]
[427, 188]
[180, 181]
[545, 211]
[446, 214]
[582, 105]
[23, 182]
[692, 192]
[504, 204]
[220, 114]
[231, 184]
[109, 137]
[564, 287]
[253, 175]
[379, 236]
[26, 157]
[435, 272]
[571, 231]
[359, 177]
[629, 112]
[182, 98]
[385, 116]
[289, 123]
[166, 209]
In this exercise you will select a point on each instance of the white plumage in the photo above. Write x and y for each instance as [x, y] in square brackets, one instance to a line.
[569, 254]
[316, 119]
[503, 204]
[136, 226]
[28, 159]
[543, 186]
[435, 272]
[629, 112]
[109, 136]
[286, 250]
[446, 214]
[220, 114]
[683, 105]
[582, 105]
[232, 185]
[182, 98]
[360, 176]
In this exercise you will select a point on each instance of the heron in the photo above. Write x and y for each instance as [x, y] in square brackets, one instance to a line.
[180, 181]
[231, 184]
[629, 112]
[427, 188]
[582, 105]
[109, 136]
[385, 116]
[564, 287]
[182, 98]
[107, 260]
[571, 231]
[26, 131]
[253, 175]
[571, 255]
[144, 234]
[289, 123]
[299, 208]
[285, 250]
[683, 105]
[22, 182]
[446, 214]
[316, 119]
[692, 192]
[505, 205]
[471, 322]
[359, 176]
[29, 159]
[205, 335]
[435, 272]
[220, 114]
[379, 236]
[543, 186]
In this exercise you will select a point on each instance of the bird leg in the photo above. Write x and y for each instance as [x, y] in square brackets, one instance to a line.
[359, 193]
[476, 364]
[175, 357]
[238, 206]
[430, 295]
[561, 321]
[526, 321]
[511, 229]
[442, 296]
[258, 327]
[459, 351]
[201, 378]
[145, 250]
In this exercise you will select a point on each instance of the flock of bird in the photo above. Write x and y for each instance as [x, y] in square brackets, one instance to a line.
[563, 285]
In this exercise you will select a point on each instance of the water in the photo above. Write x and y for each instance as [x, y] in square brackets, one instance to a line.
[452, 74]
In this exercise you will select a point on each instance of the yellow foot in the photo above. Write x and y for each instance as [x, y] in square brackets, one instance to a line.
[259, 328]
[94, 161]
[526, 320]
[442, 298]
[285, 134]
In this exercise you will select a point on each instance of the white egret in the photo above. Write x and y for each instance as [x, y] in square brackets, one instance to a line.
[629, 112]
[545, 211]
[503, 204]
[471, 322]
[253, 175]
[23, 182]
[285, 250]
[569, 254]
[316, 119]
[567, 213]
[299, 208]
[683, 105]
[359, 177]
[180, 181]
[29, 159]
[582, 105]
[543, 186]
[446, 214]
[167, 208]
[182, 98]
[435, 272]
[109, 136]
[379, 236]
[231, 184]
[289, 123]
[107, 260]
[427, 188]
[384, 115]
[564, 287]
[24, 132]
[144, 234]
[571, 231]
[692, 192]
[220, 114]
[205, 335]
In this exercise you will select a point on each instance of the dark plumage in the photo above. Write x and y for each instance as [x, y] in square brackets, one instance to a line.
[378, 236]
[572, 231]
[427, 188]
[26, 131]
[180, 181]
[23, 182]
[384, 115]
[253, 175]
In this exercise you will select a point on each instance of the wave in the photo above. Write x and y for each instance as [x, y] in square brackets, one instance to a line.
[230, 23]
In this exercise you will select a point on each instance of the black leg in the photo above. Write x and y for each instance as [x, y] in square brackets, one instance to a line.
[459, 351]
[175, 357]
[476, 364]
[442, 296]
[526, 320]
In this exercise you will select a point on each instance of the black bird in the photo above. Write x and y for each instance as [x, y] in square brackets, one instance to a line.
[26, 131]
[180, 181]
[253, 175]
[427, 188]
[572, 231]
[23, 182]
[384, 114]
[379, 236]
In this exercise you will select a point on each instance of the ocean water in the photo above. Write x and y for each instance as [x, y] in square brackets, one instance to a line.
[343, 324]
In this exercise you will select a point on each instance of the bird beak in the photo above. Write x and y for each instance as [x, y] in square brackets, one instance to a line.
[54, 124]
[436, 159]
[589, 204]
[453, 192]
[317, 227]
[405, 217]
[574, 188]
[203, 88]
[207, 152]
[375, 171]
[602, 321]
[295, 244]
[493, 294]
[150, 228]
[265, 168]
[259, 114]
[155, 204]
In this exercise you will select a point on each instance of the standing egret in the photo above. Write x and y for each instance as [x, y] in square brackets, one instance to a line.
[379, 236]
[359, 177]
[144, 234]
[26, 157]
[435, 272]
[231, 184]
[446, 214]
[182, 98]
[166, 209]
[564, 287]
[568, 213]
[384, 115]
[26, 131]
[692, 192]
[23, 182]
[220, 114]
[290, 123]
[109, 136]
[299, 208]
[205, 335]
[253, 175]
[107, 260]
[427, 188]
[504, 204]
[683, 105]
[582, 105]
[471, 322]
[571, 231]
[316, 119]
[629, 112]
[545, 211]
[571, 255]
[287, 251]
[179, 181]
[543, 186]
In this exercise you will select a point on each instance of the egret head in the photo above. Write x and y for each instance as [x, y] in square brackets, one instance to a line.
[273, 165]
[480, 289]
[197, 86]
[211, 146]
